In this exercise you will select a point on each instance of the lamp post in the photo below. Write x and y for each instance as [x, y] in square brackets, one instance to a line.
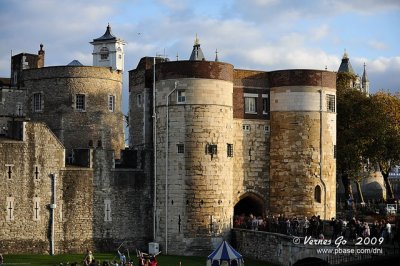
[166, 168]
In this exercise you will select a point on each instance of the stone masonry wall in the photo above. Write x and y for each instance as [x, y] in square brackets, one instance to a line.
[12, 103]
[77, 207]
[251, 161]
[26, 190]
[271, 247]
[122, 203]
[303, 136]
[199, 184]
[75, 129]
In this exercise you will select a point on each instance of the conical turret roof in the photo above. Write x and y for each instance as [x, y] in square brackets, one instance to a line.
[345, 65]
[364, 76]
[197, 53]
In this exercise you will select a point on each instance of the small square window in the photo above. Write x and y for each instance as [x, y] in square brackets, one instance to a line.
[266, 128]
[246, 127]
[181, 96]
[181, 148]
[80, 102]
[229, 150]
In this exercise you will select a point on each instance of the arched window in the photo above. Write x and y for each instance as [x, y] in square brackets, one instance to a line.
[317, 194]
[104, 53]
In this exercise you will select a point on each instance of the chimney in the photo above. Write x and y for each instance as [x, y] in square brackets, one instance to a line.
[40, 62]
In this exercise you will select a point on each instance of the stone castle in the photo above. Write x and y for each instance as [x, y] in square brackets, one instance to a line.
[206, 142]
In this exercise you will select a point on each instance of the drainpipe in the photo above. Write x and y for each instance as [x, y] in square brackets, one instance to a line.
[52, 208]
[166, 170]
[154, 148]
[321, 151]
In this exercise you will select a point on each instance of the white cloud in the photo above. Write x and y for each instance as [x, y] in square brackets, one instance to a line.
[319, 32]
[377, 45]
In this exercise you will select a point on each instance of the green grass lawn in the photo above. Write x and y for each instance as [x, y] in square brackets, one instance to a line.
[46, 260]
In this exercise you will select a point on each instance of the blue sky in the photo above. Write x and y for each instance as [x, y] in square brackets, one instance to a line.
[250, 34]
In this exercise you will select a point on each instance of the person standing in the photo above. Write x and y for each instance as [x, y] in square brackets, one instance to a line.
[122, 258]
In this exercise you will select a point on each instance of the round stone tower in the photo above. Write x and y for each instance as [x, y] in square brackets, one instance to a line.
[194, 172]
[302, 143]
[80, 104]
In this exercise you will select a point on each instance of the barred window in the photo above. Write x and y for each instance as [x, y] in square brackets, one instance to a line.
[181, 148]
[229, 149]
[330, 103]
[80, 103]
[37, 102]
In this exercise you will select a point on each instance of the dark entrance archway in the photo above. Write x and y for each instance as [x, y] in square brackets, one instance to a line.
[250, 203]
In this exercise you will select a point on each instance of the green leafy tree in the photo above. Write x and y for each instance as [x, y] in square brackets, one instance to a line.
[352, 108]
[384, 134]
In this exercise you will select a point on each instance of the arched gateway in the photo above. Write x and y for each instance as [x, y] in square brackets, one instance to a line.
[250, 203]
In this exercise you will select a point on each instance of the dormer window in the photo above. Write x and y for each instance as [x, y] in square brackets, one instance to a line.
[104, 53]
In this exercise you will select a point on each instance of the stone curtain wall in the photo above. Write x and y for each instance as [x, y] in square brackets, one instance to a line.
[75, 129]
[129, 215]
[77, 210]
[31, 161]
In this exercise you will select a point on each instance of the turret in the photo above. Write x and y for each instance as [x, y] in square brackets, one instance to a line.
[365, 82]
[197, 53]
[345, 65]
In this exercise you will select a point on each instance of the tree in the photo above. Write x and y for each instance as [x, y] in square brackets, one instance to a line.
[384, 136]
[351, 127]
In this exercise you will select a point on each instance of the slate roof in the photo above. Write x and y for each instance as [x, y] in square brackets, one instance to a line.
[106, 36]
[345, 65]
[197, 53]
[75, 63]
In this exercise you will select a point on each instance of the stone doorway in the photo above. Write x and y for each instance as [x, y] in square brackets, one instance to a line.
[250, 203]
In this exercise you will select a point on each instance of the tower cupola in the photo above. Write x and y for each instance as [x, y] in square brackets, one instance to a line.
[108, 51]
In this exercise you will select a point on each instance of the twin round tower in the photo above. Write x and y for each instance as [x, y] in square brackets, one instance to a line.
[230, 141]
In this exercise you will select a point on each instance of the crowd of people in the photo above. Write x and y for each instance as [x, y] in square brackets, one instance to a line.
[315, 227]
